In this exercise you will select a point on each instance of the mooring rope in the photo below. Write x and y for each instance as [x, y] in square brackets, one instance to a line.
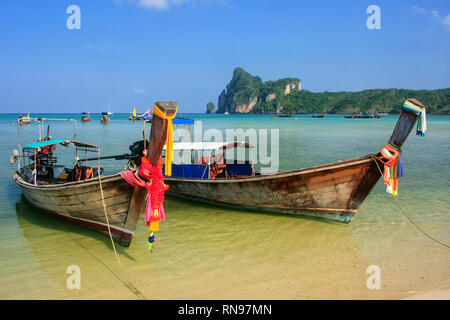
[126, 282]
[405, 213]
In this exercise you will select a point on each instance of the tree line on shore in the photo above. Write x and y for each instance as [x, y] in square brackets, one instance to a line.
[273, 96]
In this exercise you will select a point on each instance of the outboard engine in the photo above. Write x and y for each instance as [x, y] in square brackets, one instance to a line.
[137, 151]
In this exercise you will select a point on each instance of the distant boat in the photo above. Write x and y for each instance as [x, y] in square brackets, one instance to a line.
[105, 119]
[362, 116]
[85, 118]
[318, 115]
[140, 116]
[109, 110]
[24, 119]
[133, 115]
[284, 115]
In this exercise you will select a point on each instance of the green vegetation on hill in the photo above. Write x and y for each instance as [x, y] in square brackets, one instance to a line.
[249, 94]
[370, 101]
[210, 107]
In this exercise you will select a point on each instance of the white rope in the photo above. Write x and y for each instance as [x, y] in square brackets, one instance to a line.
[127, 282]
[406, 215]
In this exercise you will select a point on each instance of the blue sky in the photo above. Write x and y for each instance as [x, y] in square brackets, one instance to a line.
[134, 52]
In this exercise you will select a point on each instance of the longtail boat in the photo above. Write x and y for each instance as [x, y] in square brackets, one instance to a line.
[85, 118]
[332, 191]
[78, 194]
[105, 119]
[24, 119]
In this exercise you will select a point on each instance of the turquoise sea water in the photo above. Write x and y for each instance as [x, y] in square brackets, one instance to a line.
[206, 252]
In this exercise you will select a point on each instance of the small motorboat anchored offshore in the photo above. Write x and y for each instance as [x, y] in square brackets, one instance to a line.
[85, 117]
[105, 119]
[24, 119]
[362, 116]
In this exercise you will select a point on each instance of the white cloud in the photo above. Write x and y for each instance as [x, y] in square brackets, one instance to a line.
[446, 20]
[154, 4]
[139, 91]
[419, 9]
[433, 13]
[166, 4]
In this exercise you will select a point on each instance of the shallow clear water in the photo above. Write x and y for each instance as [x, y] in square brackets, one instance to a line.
[206, 252]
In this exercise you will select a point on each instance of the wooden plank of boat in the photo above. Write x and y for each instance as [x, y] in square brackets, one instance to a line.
[81, 202]
[65, 201]
[333, 191]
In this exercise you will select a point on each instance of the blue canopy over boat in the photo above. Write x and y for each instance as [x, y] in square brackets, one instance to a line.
[180, 121]
[75, 143]
[43, 143]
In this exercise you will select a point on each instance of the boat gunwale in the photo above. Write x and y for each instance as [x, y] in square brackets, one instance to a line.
[281, 174]
[65, 185]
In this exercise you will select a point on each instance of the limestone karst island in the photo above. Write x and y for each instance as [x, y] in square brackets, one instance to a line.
[246, 93]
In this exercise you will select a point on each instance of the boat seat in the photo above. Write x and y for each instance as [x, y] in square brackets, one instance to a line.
[194, 171]
[239, 170]
[74, 173]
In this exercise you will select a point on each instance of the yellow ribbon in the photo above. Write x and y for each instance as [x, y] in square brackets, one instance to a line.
[169, 147]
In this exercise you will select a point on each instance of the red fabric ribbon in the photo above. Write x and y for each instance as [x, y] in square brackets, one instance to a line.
[154, 183]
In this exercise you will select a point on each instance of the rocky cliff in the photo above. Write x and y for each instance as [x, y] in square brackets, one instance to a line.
[249, 94]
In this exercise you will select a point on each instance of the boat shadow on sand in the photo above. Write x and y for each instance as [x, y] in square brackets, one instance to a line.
[29, 218]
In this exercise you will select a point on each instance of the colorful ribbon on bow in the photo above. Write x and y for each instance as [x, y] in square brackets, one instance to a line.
[410, 106]
[169, 146]
[154, 183]
[393, 167]
[152, 179]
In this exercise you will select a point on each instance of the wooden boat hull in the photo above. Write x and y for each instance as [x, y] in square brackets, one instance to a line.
[24, 121]
[81, 203]
[334, 191]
